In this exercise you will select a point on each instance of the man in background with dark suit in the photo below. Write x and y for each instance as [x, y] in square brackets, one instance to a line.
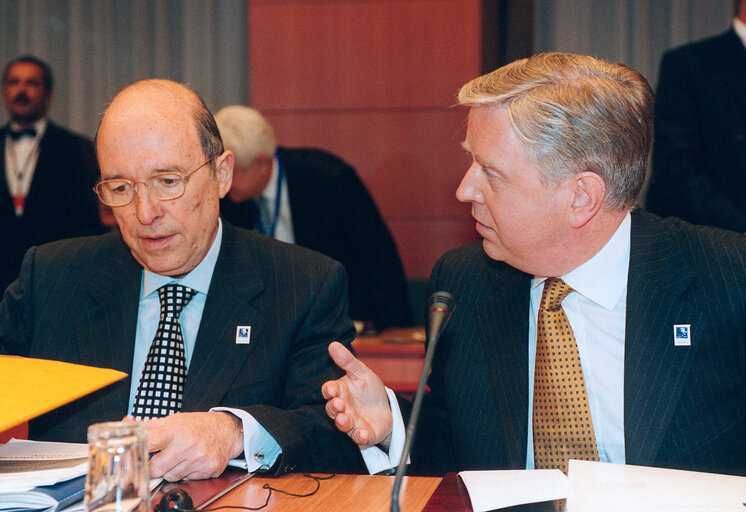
[314, 199]
[584, 327]
[48, 172]
[224, 332]
[699, 153]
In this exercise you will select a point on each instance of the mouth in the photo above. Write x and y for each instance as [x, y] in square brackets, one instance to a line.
[155, 241]
[482, 229]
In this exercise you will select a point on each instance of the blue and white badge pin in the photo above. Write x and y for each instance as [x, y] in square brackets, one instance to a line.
[243, 334]
[682, 335]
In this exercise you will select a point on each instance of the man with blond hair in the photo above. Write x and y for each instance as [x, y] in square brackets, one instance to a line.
[585, 328]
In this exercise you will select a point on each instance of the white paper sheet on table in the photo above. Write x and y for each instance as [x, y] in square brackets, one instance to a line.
[617, 488]
[489, 490]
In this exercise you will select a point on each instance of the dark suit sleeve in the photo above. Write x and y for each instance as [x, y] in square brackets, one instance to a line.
[334, 214]
[690, 177]
[375, 262]
[308, 439]
[15, 312]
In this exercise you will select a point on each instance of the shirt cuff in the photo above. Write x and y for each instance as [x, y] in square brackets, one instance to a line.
[376, 460]
[259, 447]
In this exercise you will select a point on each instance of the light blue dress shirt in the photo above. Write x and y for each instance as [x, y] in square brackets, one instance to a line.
[257, 441]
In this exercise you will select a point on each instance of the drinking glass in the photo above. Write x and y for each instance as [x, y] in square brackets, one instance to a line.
[118, 470]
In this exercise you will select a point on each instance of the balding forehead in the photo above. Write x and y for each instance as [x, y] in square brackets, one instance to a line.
[157, 91]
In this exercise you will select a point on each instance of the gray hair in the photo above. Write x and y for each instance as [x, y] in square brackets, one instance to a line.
[575, 113]
[246, 132]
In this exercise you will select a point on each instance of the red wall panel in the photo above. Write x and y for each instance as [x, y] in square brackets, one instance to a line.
[374, 81]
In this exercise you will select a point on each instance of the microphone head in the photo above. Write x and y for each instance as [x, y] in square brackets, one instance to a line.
[441, 300]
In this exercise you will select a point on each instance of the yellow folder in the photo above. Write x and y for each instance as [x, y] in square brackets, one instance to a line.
[30, 387]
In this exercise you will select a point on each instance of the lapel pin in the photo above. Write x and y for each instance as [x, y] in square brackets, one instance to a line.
[682, 335]
[243, 335]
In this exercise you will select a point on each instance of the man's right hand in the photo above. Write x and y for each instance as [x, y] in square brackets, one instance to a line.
[358, 402]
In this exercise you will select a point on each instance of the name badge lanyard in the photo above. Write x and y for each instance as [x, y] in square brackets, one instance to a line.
[278, 199]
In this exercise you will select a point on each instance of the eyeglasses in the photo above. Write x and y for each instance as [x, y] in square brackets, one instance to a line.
[165, 186]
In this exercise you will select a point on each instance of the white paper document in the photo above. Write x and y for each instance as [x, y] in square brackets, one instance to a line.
[489, 490]
[29, 464]
[618, 487]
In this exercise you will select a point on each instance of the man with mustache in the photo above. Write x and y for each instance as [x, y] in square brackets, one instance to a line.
[48, 171]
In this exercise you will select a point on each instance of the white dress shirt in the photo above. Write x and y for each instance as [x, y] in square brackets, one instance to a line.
[21, 157]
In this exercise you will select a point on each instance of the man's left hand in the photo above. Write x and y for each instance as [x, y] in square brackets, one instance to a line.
[193, 445]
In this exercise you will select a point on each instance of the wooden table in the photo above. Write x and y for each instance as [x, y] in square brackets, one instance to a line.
[343, 493]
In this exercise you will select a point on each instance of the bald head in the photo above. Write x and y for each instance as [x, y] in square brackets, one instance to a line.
[158, 99]
[157, 135]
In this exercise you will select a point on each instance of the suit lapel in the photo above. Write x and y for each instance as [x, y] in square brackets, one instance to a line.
[654, 369]
[236, 282]
[106, 335]
[503, 327]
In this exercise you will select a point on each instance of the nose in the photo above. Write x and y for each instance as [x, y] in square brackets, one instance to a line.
[468, 190]
[148, 207]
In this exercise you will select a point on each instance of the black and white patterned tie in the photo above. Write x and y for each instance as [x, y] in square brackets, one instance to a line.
[161, 386]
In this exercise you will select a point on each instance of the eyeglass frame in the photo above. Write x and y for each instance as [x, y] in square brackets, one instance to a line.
[184, 177]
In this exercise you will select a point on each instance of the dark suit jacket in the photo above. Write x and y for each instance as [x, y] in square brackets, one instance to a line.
[77, 301]
[684, 407]
[60, 204]
[334, 214]
[699, 152]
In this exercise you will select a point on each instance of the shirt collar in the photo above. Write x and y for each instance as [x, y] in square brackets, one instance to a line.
[40, 126]
[740, 28]
[198, 279]
[611, 262]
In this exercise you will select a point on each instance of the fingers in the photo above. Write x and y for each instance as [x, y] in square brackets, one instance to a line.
[193, 445]
[158, 437]
[343, 358]
[330, 389]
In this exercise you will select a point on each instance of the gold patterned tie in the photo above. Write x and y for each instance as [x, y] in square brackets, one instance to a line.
[562, 423]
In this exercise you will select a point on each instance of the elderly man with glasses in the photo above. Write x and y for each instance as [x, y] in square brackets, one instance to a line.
[223, 331]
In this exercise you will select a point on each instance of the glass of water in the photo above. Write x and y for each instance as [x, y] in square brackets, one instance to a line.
[118, 470]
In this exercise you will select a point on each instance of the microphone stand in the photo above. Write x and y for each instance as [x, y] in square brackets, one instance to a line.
[439, 315]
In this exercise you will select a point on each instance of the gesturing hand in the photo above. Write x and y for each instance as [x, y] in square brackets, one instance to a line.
[357, 402]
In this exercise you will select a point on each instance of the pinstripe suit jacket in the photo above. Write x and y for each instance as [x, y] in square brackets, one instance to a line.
[684, 407]
[77, 301]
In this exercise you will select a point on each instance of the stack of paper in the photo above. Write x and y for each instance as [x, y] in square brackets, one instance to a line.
[41, 476]
[594, 486]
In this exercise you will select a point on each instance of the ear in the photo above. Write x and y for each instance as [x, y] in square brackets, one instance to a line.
[588, 192]
[224, 172]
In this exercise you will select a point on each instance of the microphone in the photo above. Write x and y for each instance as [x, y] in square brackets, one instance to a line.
[441, 306]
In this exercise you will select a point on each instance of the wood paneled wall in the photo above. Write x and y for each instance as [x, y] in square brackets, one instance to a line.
[375, 81]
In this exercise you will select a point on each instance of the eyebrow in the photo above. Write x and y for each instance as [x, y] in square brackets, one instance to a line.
[173, 168]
